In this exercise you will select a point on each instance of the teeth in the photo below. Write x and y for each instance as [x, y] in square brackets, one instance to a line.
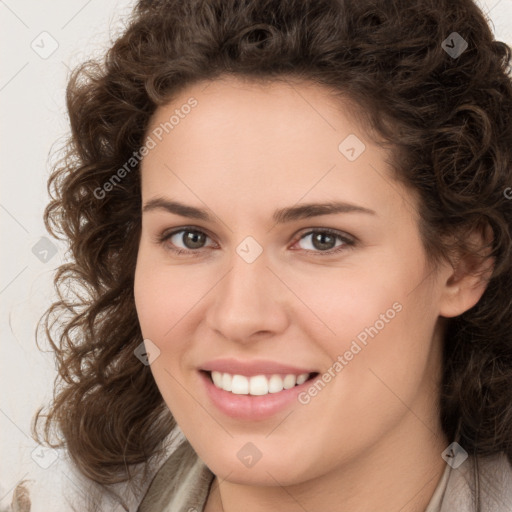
[226, 381]
[239, 385]
[275, 384]
[257, 385]
[217, 379]
[303, 377]
[289, 381]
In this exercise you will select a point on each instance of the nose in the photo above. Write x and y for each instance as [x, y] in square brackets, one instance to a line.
[249, 302]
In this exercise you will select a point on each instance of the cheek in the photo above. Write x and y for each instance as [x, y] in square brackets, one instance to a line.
[163, 295]
[161, 302]
[374, 317]
[342, 303]
[387, 353]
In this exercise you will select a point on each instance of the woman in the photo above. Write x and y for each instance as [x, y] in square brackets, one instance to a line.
[291, 225]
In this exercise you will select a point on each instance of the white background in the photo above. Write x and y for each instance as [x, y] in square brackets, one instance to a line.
[32, 92]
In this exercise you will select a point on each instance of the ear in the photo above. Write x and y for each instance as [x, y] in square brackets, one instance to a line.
[467, 277]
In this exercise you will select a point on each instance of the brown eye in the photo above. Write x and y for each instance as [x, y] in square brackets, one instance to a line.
[192, 239]
[325, 241]
[184, 240]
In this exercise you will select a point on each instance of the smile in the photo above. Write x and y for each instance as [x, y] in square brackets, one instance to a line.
[253, 398]
[258, 384]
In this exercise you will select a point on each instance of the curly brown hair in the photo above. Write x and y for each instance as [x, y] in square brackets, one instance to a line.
[447, 116]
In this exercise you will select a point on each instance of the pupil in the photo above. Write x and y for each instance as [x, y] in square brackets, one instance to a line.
[319, 241]
[193, 239]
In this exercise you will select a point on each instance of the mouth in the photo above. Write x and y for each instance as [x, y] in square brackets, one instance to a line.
[255, 389]
[257, 385]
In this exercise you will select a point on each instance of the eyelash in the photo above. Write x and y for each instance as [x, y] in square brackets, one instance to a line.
[348, 243]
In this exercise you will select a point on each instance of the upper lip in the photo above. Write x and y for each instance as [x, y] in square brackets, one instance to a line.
[251, 368]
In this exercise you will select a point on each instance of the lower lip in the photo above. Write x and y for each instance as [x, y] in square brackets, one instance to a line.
[251, 407]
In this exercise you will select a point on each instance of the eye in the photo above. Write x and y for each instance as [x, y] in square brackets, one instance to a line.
[325, 241]
[184, 240]
[190, 241]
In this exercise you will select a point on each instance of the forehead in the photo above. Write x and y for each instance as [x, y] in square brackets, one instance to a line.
[258, 101]
[261, 142]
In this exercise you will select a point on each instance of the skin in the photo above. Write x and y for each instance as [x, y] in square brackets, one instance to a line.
[371, 439]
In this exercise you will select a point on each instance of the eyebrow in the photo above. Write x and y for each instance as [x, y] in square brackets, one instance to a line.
[280, 216]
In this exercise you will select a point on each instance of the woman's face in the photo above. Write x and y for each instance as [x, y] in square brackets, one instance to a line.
[270, 280]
